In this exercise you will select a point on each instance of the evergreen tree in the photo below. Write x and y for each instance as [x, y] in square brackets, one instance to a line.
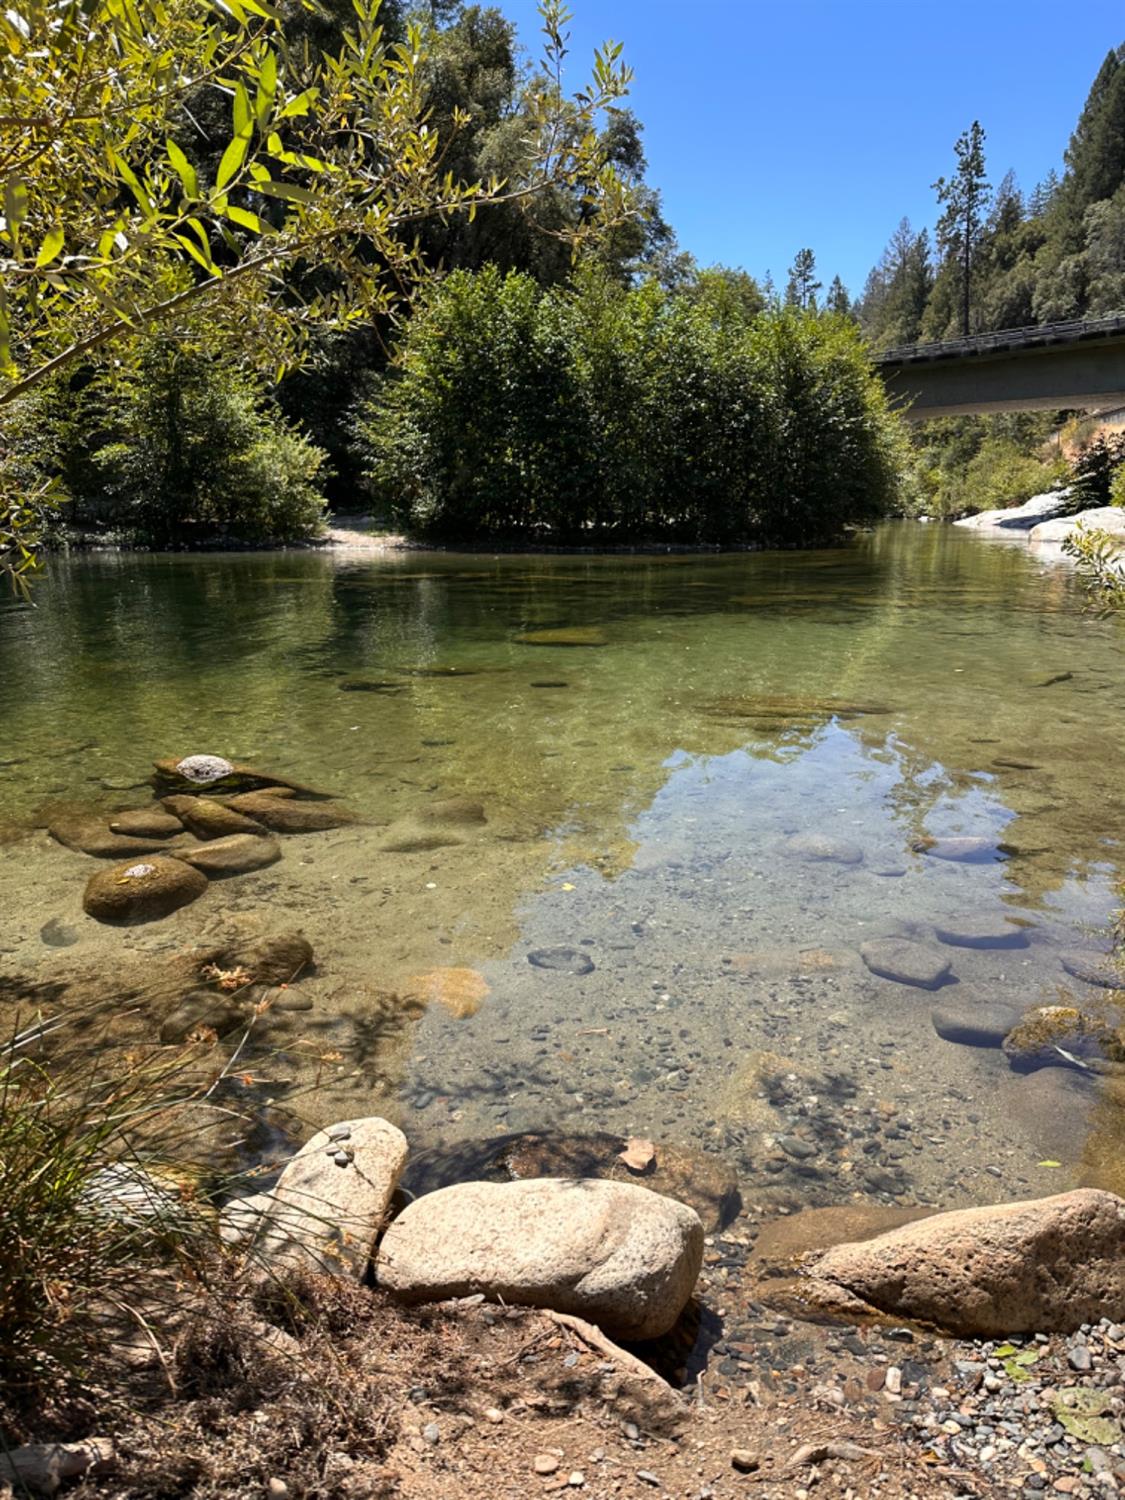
[802, 286]
[966, 196]
[838, 300]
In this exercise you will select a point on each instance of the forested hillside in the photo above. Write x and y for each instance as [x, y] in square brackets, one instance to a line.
[1053, 253]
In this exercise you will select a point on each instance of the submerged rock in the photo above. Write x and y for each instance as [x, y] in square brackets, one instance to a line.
[208, 818]
[1043, 1036]
[86, 834]
[236, 855]
[615, 1253]
[969, 849]
[290, 814]
[974, 931]
[408, 836]
[973, 1022]
[561, 960]
[56, 934]
[214, 773]
[451, 812]
[1094, 968]
[369, 685]
[273, 959]
[818, 846]
[146, 823]
[906, 962]
[143, 891]
[201, 1012]
[575, 635]
[1047, 1265]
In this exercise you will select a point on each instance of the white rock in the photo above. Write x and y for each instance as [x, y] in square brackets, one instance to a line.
[618, 1254]
[1018, 517]
[331, 1199]
[1109, 518]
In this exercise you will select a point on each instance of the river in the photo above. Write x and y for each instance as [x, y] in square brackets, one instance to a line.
[709, 785]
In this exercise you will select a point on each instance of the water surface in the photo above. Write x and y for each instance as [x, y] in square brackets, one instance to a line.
[643, 789]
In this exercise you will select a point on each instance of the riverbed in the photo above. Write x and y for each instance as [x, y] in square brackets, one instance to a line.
[718, 797]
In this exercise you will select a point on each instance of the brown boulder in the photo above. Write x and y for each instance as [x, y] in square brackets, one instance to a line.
[142, 891]
[208, 818]
[1046, 1265]
[146, 823]
[90, 835]
[236, 855]
[289, 814]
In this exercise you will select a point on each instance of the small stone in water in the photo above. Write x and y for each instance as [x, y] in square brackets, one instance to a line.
[561, 960]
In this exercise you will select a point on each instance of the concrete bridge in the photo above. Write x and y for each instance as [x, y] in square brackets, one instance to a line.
[1079, 365]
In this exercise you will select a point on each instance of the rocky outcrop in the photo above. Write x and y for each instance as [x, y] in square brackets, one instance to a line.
[1047, 1265]
[1018, 517]
[331, 1200]
[906, 962]
[139, 892]
[624, 1257]
[1109, 518]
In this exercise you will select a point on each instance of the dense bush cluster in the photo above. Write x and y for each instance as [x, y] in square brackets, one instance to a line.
[598, 414]
[182, 446]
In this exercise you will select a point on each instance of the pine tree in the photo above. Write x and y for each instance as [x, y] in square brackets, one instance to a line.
[802, 287]
[838, 300]
[966, 197]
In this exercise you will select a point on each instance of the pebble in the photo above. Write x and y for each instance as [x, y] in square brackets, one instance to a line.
[493, 1414]
[576, 1479]
[432, 1433]
[545, 1463]
[1079, 1359]
[744, 1461]
[647, 1477]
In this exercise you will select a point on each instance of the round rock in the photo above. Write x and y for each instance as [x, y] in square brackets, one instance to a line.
[980, 931]
[617, 1254]
[818, 846]
[204, 769]
[1093, 968]
[906, 962]
[974, 1023]
[140, 892]
[561, 960]
[236, 855]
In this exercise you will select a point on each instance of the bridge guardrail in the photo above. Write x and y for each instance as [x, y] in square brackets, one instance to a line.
[1075, 331]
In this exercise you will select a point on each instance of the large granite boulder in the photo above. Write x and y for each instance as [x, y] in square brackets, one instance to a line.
[617, 1254]
[331, 1199]
[1047, 1265]
[1018, 517]
[140, 892]
[1109, 518]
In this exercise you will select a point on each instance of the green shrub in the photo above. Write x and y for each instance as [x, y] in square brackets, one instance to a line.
[1094, 473]
[597, 414]
[182, 446]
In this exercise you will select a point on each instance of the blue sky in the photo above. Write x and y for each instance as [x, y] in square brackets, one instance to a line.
[822, 122]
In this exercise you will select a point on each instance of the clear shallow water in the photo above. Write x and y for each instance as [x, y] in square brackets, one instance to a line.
[641, 793]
